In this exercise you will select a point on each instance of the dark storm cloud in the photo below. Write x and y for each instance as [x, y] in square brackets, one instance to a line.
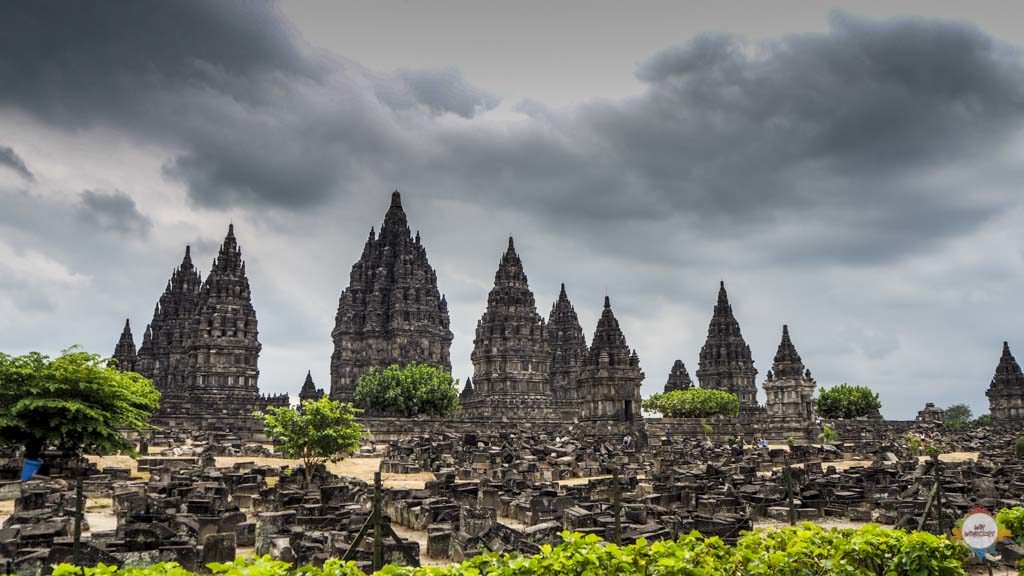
[114, 211]
[439, 90]
[10, 159]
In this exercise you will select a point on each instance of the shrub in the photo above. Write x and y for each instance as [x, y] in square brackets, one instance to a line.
[957, 416]
[791, 551]
[1018, 447]
[408, 390]
[320, 431]
[845, 401]
[693, 403]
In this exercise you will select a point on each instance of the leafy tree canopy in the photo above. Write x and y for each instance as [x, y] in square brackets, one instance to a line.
[409, 390]
[693, 403]
[845, 401]
[320, 431]
[957, 416]
[76, 402]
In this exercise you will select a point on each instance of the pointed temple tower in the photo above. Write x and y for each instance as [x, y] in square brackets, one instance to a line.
[309, 390]
[124, 356]
[609, 383]
[678, 378]
[467, 392]
[392, 311]
[510, 355]
[790, 391]
[568, 349]
[162, 354]
[725, 360]
[1006, 392]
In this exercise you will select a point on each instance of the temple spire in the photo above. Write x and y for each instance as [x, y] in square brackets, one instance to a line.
[125, 357]
[678, 378]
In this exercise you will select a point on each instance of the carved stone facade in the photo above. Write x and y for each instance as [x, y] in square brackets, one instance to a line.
[1006, 392]
[678, 378]
[392, 311]
[789, 386]
[725, 360]
[610, 380]
[202, 348]
[568, 350]
[125, 357]
[309, 390]
[511, 354]
[931, 413]
[162, 353]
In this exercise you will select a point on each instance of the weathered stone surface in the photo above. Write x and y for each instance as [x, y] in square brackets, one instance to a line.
[1006, 392]
[610, 379]
[725, 359]
[392, 311]
[511, 354]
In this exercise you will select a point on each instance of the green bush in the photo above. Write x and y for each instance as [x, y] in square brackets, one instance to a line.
[845, 401]
[1018, 447]
[408, 390]
[693, 403]
[1013, 520]
[807, 549]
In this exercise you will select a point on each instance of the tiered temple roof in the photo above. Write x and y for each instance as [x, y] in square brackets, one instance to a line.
[678, 378]
[568, 349]
[1006, 392]
[309, 390]
[511, 353]
[125, 356]
[610, 380]
[391, 312]
[162, 353]
[725, 360]
[789, 386]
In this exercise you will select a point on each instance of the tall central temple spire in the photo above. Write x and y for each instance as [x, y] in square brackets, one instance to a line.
[391, 312]
[510, 355]
[725, 360]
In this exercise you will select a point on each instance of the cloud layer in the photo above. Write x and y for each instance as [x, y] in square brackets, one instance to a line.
[860, 184]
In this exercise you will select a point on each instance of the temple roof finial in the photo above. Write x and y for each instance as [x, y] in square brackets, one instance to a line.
[396, 199]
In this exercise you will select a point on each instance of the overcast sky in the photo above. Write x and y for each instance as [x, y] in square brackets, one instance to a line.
[853, 171]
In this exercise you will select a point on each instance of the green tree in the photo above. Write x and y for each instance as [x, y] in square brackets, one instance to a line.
[957, 416]
[983, 420]
[321, 431]
[76, 402]
[408, 390]
[827, 436]
[845, 401]
[693, 403]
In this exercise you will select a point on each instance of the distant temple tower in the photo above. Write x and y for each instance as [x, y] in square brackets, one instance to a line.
[725, 360]
[202, 349]
[678, 378]
[511, 354]
[309, 390]
[789, 387]
[568, 349]
[1006, 392]
[162, 354]
[125, 357]
[609, 383]
[392, 311]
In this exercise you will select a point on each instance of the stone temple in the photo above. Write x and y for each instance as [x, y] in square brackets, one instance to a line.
[678, 378]
[392, 311]
[125, 356]
[202, 348]
[790, 390]
[511, 352]
[610, 380]
[725, 360]
[1006, 392]
[568, 350]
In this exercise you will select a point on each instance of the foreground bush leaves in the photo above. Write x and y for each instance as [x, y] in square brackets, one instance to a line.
[805, 550]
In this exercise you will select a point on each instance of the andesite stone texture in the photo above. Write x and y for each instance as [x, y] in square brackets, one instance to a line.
[789, 386]
[511, 354]
[725, 360]
[125, 356]
[678, 378]
[610, 380]
[309, 391]
[568, 350]
[1006, 392]
[202, 348]
[162, 353]
[391, 312]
